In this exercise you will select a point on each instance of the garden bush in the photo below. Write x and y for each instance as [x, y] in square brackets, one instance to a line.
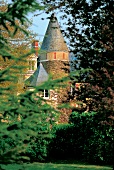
[6, 144]
[83, 139]
[59, 146]
[37, 149]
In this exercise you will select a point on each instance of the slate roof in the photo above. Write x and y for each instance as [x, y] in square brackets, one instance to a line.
[53, 40]
[38, 78]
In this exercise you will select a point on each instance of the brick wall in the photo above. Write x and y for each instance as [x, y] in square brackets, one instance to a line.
[58, 56]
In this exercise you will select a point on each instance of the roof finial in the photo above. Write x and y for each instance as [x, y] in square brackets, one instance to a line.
[53, 15]
[54, 40]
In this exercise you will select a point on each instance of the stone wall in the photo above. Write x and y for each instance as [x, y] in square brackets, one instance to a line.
[59, 69]
[56, 68]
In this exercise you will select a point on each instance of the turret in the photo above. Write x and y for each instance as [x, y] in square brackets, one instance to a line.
[54, 51]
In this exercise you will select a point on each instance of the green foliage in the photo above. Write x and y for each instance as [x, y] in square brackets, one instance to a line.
[26, 118]
[29, 132]
[89, 29]
[37, 149]
[62, 145]
[84, 139]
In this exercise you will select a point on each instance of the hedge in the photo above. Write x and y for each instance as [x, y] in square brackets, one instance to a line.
[83, 139]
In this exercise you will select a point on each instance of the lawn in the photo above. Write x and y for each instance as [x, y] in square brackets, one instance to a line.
[50, 166]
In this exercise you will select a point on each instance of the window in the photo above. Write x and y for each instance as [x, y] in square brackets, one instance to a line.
[31, 65]
[45, 94]
[54, 55]
[63, 55]
[71, 90]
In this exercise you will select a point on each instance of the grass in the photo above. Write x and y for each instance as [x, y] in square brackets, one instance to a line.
[51, 166]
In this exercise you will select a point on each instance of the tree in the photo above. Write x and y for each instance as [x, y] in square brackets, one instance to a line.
[25, 119]
[19, 45]
[90, 32]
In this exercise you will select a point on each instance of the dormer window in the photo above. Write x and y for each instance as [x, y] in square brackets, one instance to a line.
[31, 65]
[54, 55]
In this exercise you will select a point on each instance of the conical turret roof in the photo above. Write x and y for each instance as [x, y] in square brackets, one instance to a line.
[39, 77]
[53, 40]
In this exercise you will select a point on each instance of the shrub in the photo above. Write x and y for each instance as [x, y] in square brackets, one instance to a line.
[83, 139]
[59, 146]
[37, 149]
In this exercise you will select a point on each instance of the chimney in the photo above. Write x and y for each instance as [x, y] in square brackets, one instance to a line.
[35, 47]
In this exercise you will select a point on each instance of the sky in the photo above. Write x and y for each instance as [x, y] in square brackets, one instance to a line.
[39, 26]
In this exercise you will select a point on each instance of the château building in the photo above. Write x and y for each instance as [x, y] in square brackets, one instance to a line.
[52, 61]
